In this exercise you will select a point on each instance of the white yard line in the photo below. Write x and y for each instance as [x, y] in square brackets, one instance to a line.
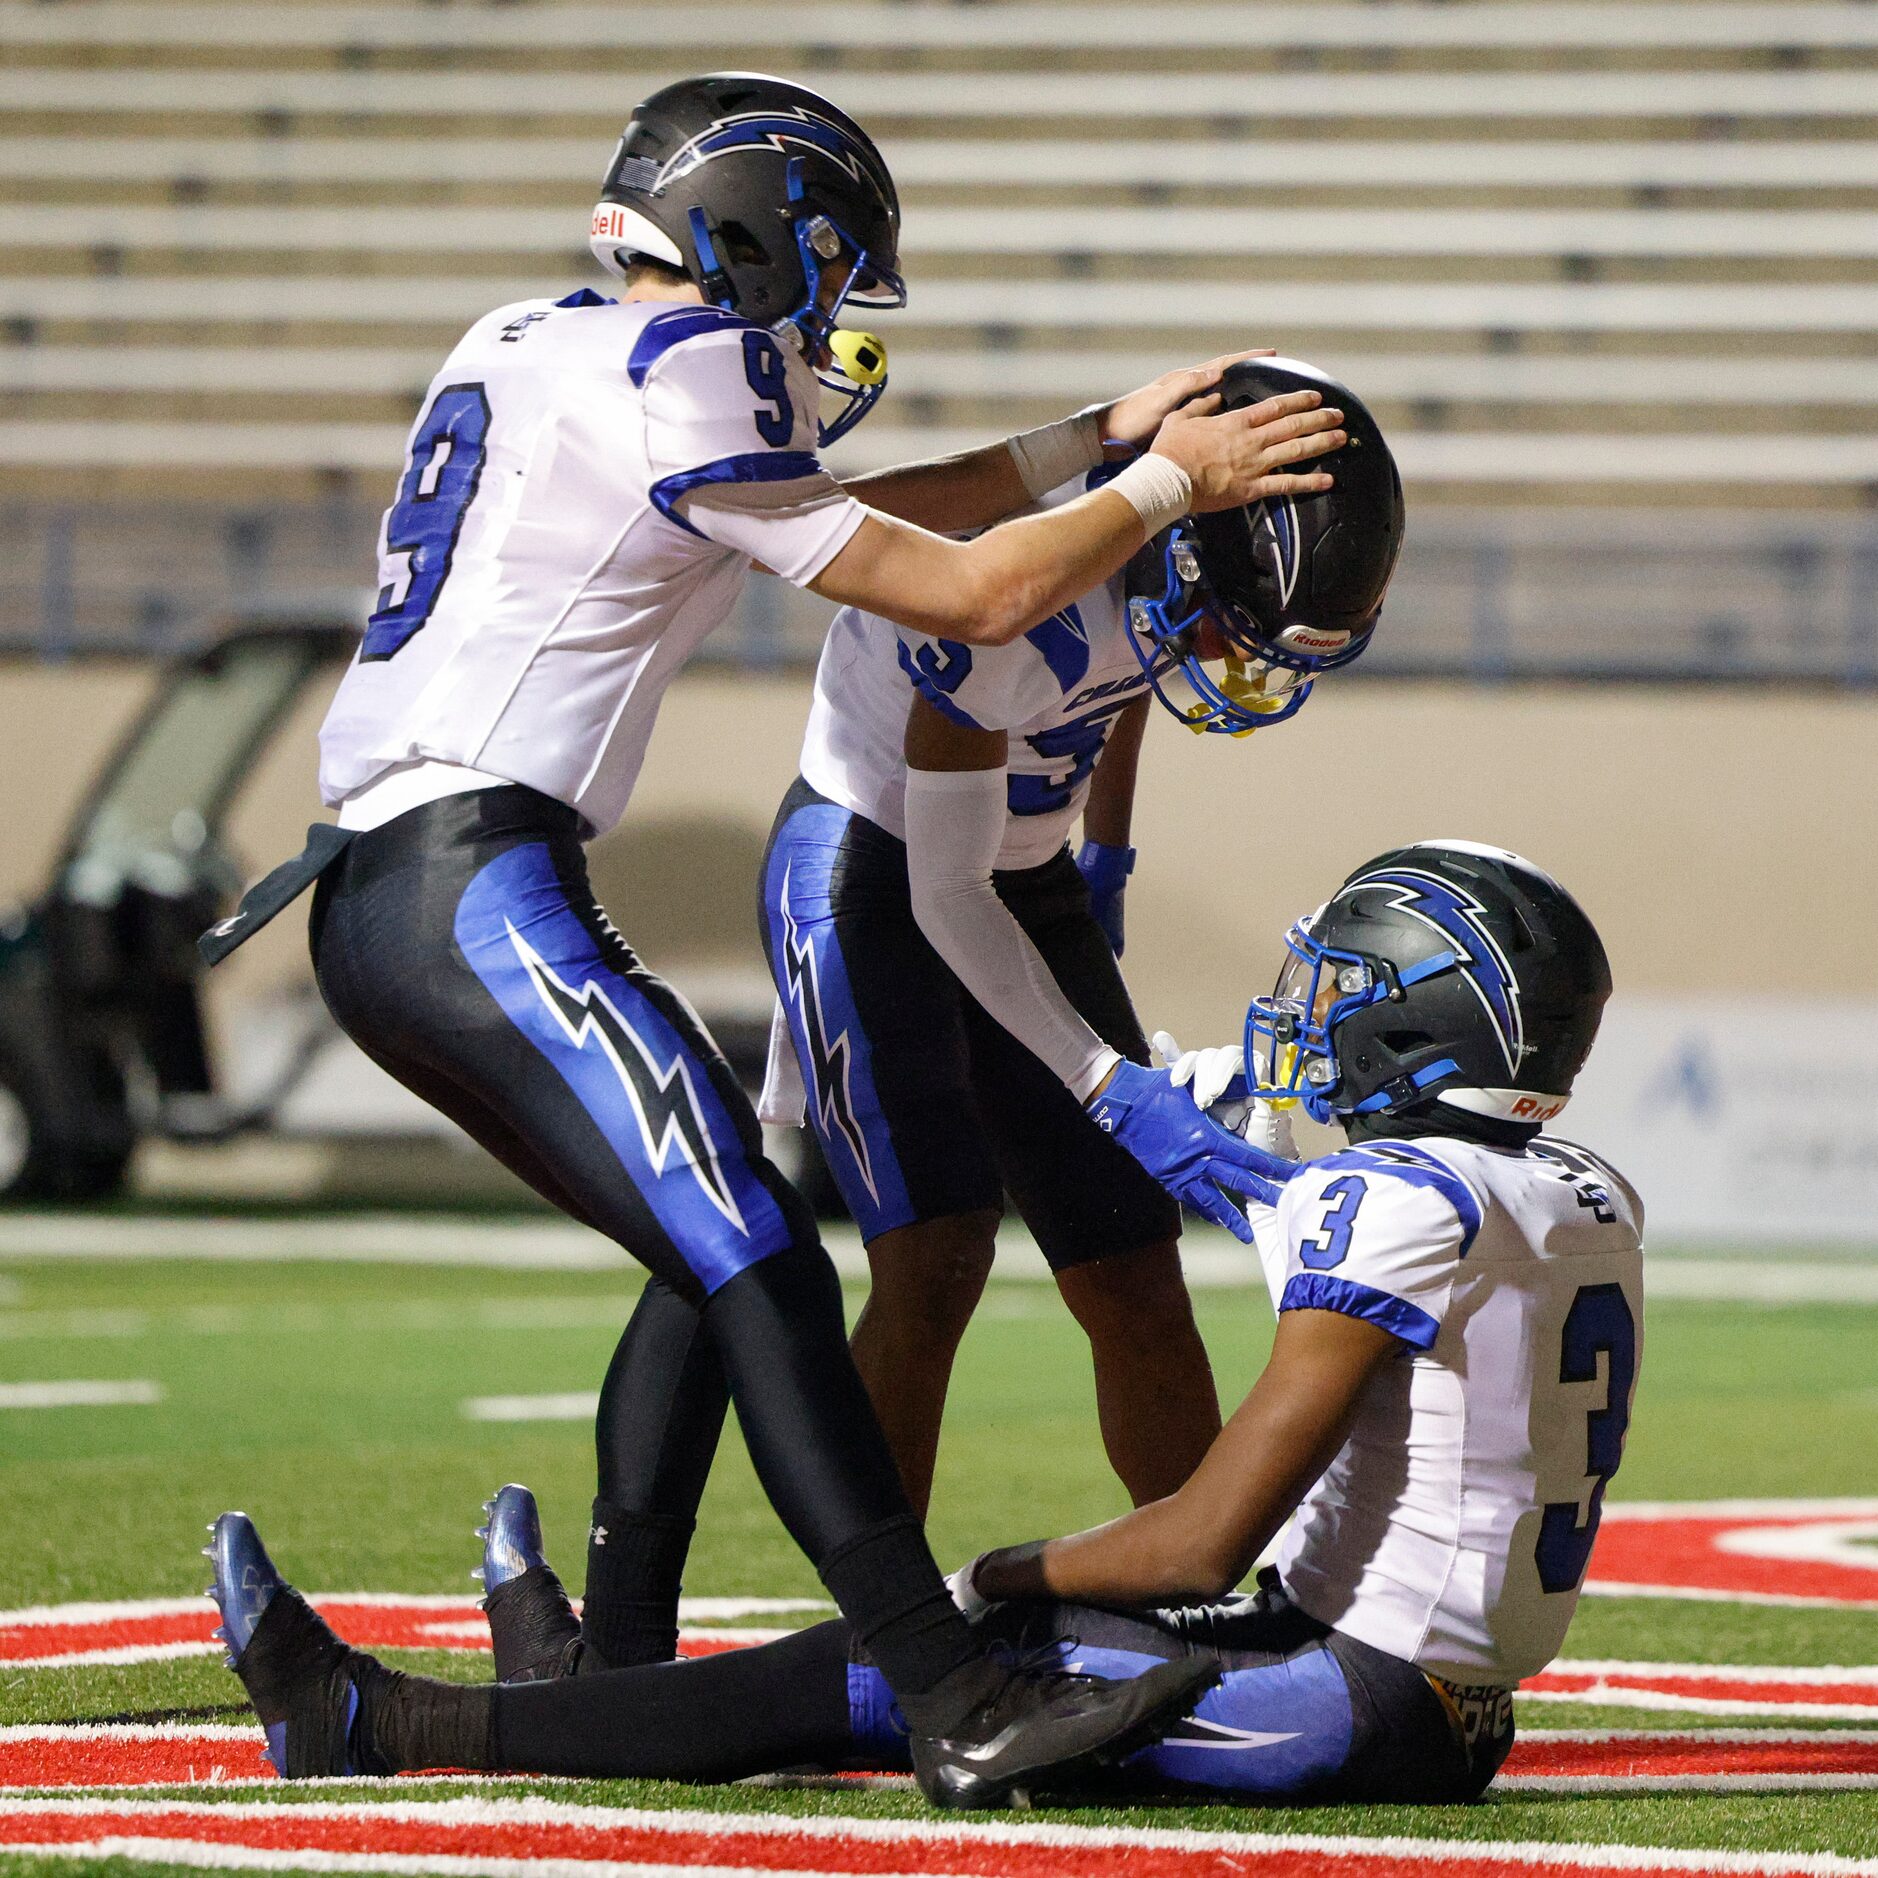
[53, 1395]
[548, 1815]
[578, 1405]
[1211, 1258]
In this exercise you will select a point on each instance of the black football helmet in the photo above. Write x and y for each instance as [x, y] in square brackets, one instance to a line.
[1294, 585]
[1443, 972]
[753, 187]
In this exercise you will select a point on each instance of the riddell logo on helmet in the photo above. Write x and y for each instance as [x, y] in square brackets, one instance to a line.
[1311, 639]
[609, 223]
[1533, 1109]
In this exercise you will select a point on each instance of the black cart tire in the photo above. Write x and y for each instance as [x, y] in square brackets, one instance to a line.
[36, 1164]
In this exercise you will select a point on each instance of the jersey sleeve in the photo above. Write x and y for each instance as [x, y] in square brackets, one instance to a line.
[730, 438]
[1375, 1239]
[981, 687]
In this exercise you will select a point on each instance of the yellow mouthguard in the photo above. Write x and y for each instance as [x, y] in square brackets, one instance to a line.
[1243, 690]
[1284, 1061]
[860, 355]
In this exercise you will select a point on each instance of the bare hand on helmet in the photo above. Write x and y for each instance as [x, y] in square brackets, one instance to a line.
[1235, 457]
[1129, 423]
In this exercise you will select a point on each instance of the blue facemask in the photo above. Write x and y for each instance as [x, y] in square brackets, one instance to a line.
[1261, 684]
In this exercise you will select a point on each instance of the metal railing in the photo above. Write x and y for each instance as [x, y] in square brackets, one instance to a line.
[1486, 595]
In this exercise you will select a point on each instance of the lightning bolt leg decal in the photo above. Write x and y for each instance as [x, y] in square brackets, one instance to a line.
[829, 1062]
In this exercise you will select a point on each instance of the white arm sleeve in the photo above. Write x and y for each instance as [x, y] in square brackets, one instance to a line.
[954, 828]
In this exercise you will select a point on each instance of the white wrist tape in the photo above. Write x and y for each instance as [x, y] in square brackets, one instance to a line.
[1159, 489]
[1048, 457]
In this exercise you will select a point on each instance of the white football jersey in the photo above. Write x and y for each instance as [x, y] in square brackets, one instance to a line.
[584, 492]
[1454, 1526]
[1057, 691]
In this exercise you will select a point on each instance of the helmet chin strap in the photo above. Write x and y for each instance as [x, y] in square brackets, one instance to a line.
[713, 280]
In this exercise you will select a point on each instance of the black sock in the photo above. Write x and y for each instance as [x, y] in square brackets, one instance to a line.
[635, 1562]
[904, 1619]
[824, 1463]
[718, 1718]
[410, 1722]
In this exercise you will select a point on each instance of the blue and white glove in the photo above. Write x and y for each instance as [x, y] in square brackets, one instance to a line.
[1105, 872]
[1192, 1157]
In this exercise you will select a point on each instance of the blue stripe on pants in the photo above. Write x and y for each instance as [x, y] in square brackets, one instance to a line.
[830, 1043]
[638, 1076]
[1280, 1729]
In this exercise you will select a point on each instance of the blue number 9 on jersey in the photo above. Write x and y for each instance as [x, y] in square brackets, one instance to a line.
[446, 464]
[768, 376]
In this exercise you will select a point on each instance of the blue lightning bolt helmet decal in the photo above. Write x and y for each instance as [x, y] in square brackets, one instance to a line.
[1458, 916]
[1293, 1032]
[775, 130]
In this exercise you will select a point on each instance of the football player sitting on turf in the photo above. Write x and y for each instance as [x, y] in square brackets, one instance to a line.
[1459, 1325]
[949, 977]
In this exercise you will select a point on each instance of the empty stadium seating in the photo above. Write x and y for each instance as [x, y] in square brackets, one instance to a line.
[1585, 259]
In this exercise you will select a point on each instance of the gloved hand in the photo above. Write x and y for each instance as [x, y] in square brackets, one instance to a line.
[1218, 1082]
[1192, 1157]
[1105, 870]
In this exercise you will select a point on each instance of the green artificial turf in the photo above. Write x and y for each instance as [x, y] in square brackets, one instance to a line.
[326, 1400]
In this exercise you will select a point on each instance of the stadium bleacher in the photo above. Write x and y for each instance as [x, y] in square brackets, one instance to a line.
[1587, 260]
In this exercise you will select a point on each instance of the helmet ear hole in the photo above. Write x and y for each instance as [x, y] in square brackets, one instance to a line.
[1405, 1042]
[742, 247]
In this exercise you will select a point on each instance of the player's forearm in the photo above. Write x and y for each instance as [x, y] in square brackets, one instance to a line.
[980, 487]
[1199, 1543]
[996, 587]
[1027, 569]
[948, 494]
[954, 826]
[1108, 814]
[1152, 1556]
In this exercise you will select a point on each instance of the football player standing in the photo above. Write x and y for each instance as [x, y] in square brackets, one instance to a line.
[949, 976]
[1460, 1309]
[587, 484]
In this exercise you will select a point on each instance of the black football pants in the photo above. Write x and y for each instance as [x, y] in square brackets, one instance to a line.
[460, 947]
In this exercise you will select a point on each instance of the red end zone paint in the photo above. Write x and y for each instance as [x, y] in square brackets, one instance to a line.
[1807, 1552]
[1752, 1551]
[150, 1629]
[116, 1754]
[476, 1834]
[1837, 1694]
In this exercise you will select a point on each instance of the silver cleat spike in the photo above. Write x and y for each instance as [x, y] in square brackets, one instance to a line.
[476, 1572]
[208, 1591]
[228, 1662]
[218, 1634]
[208, 1551]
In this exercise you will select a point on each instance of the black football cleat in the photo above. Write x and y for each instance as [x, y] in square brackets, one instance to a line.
[532, 1625]
[296, 1672]
[1050, 1729]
